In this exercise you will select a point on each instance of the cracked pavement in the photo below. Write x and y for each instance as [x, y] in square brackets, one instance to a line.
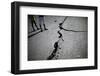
[74, 46]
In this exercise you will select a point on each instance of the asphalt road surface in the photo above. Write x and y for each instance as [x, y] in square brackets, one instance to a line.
[74, 46]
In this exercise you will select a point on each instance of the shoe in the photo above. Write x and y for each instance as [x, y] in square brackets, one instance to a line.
[37, 28]
[45, 29]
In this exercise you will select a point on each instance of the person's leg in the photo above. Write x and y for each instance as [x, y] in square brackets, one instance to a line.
[41, 27]
[45, 27]
[32, 26]
[36, 25]
[44, 24]
[40, 23]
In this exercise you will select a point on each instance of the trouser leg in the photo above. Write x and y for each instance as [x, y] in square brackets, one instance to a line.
[33, 26]
[41, 27]
[36, 25]
[40, 23]
[44, 24]
[45, 27]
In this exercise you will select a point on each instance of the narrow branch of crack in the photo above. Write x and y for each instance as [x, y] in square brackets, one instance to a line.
[72, 30]
[61, 26]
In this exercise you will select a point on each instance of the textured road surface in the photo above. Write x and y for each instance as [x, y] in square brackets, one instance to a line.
[41, 45]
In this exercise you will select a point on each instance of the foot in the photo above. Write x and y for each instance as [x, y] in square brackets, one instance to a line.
[46, 29]
[41, 30]
[37, 28]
